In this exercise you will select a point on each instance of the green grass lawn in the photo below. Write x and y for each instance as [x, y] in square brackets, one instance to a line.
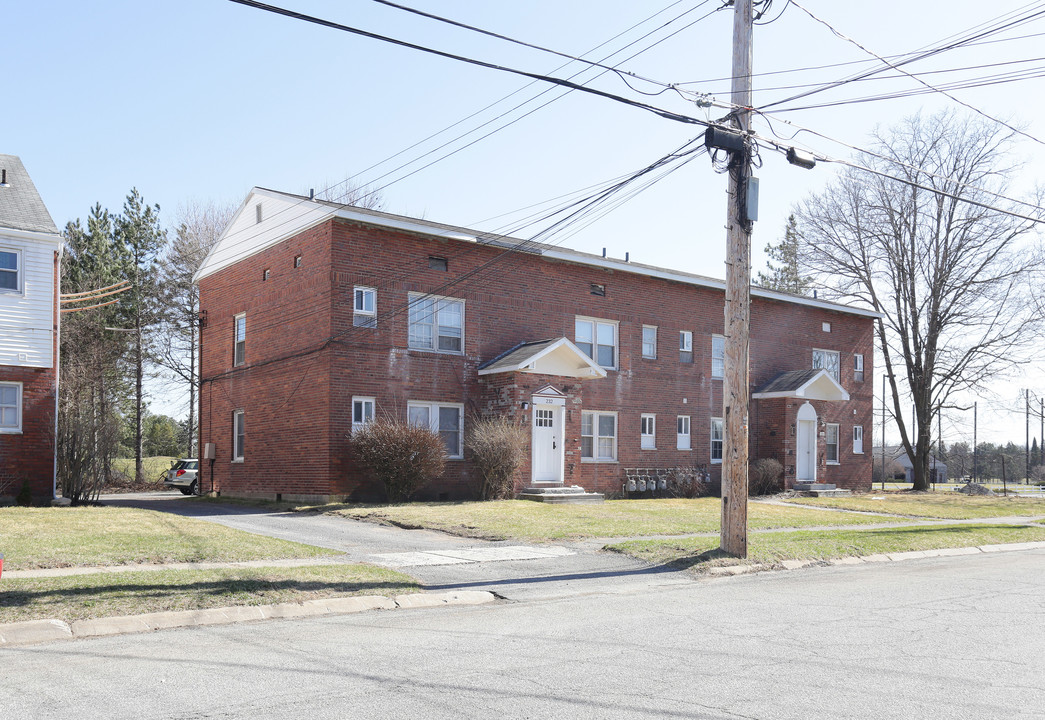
[773, 547]
[77, 536]
[151, 467]
[534, 522]
[949, 506]
[130, 593]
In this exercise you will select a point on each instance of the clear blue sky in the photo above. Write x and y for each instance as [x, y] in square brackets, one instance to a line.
[201, 100]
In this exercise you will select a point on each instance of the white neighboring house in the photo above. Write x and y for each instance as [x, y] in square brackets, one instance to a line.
[30, 256]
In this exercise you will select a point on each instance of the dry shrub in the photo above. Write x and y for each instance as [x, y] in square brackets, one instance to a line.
[498, 448]
[764, 476]
[402, 456]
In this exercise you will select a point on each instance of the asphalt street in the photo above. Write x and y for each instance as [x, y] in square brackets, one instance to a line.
[956, 637]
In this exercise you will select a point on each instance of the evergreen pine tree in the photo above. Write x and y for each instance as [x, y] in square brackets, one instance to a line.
[784, 272]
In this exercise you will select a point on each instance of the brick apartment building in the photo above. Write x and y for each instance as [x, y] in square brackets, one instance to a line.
[30, 252]
[317, 317]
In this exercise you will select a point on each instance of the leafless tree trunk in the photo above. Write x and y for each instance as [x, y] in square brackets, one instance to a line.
[956, 283]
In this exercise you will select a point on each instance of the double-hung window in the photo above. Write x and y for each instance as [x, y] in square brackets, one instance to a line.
[858, 439]
[648, 432]
[239, 435]
[832, 443]
[718, 356]
[598, 340]
[649, 341]
[826, 360]
[446, 419]
[436, 323]
[362, 412]
[10, 407]
[716, 440]
[599, 436]
[682, 441]
[240, 342]
[364, 307]
[686, 346]
[858, 367]
[10, 280]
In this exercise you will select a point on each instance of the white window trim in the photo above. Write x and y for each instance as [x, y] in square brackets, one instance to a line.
[651, 436]
[596, 414]
[236, 415]
[859, 428]
[15, 429]
[415, 297]
[838, 365]
[721, 373]
[373, 411]
[595, 322]
[711, 440]
[643, 344]
[19, 288]
[687, 435]
[433, 421]
[837, 443]
[360, 311]
[237, 361]
[686, 341]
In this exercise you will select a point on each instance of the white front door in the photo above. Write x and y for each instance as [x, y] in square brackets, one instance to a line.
[546, 440]
[805, 445]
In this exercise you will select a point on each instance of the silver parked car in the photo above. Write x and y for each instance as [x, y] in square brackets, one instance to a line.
[182, 476]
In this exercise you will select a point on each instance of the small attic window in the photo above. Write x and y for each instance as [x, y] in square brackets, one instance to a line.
[265, 275]
[257, 213]
[438, 263]
[826, 326]
[297, 261]
[597, 289]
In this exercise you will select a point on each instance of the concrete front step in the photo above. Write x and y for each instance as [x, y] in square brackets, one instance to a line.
[806, 486]
[560, 494]
[834, 492]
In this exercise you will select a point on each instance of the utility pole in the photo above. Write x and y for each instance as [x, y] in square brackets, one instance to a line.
[735, 387]
[884, 378]
[1026, 422]
[975, 464]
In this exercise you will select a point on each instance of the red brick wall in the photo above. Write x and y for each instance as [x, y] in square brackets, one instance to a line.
[29, 455]
[509, 298]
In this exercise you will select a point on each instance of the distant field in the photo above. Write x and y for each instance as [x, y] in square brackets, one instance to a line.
[152, 467]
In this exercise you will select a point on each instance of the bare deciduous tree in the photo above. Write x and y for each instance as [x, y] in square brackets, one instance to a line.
[954, 281]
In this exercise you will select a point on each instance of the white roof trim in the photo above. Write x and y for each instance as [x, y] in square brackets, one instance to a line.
[819, 387]
[528, 364]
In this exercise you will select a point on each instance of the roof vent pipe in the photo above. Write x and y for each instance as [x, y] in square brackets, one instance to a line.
[311, 193]
[604, 252]
[627, 257]
[4, 183]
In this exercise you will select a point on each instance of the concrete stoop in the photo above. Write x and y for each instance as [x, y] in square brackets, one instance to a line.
[560, 494]
[820, 490]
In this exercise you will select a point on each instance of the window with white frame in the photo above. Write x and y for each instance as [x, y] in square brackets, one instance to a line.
[598, 340]
[648, 433]
[10, 269]
[831, 443]
[649, 341]
[364, 307]
[10, 407]
[446, 419]
[239, 435]
[436, 323]
[685, 346]
[718, 356]
[240, 342]
[599, 436]
[858, 439]
[682, 432]
[716, 440]
[827, 360]
[858, 367]
[362, 411]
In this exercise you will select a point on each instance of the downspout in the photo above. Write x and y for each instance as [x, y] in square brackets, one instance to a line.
[56, 357]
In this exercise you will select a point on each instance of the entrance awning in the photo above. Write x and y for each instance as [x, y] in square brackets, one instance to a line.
[557, 356]
[804, 384]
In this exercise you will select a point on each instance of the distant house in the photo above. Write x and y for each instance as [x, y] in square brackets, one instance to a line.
[318, 317]
[30, 253]
[937, 467]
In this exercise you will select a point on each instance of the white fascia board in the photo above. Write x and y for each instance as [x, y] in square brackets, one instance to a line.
[621, 266]
[405, 224]
[56, 241]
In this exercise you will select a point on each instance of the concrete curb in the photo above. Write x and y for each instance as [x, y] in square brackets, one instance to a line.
[33, 632]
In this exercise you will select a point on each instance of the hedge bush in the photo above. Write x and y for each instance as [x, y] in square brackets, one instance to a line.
[402, 456]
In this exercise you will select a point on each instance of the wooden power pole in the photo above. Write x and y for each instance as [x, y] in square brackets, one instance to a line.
[735, 387]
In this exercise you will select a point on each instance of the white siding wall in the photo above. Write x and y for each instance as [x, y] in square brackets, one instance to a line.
[27, 317]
